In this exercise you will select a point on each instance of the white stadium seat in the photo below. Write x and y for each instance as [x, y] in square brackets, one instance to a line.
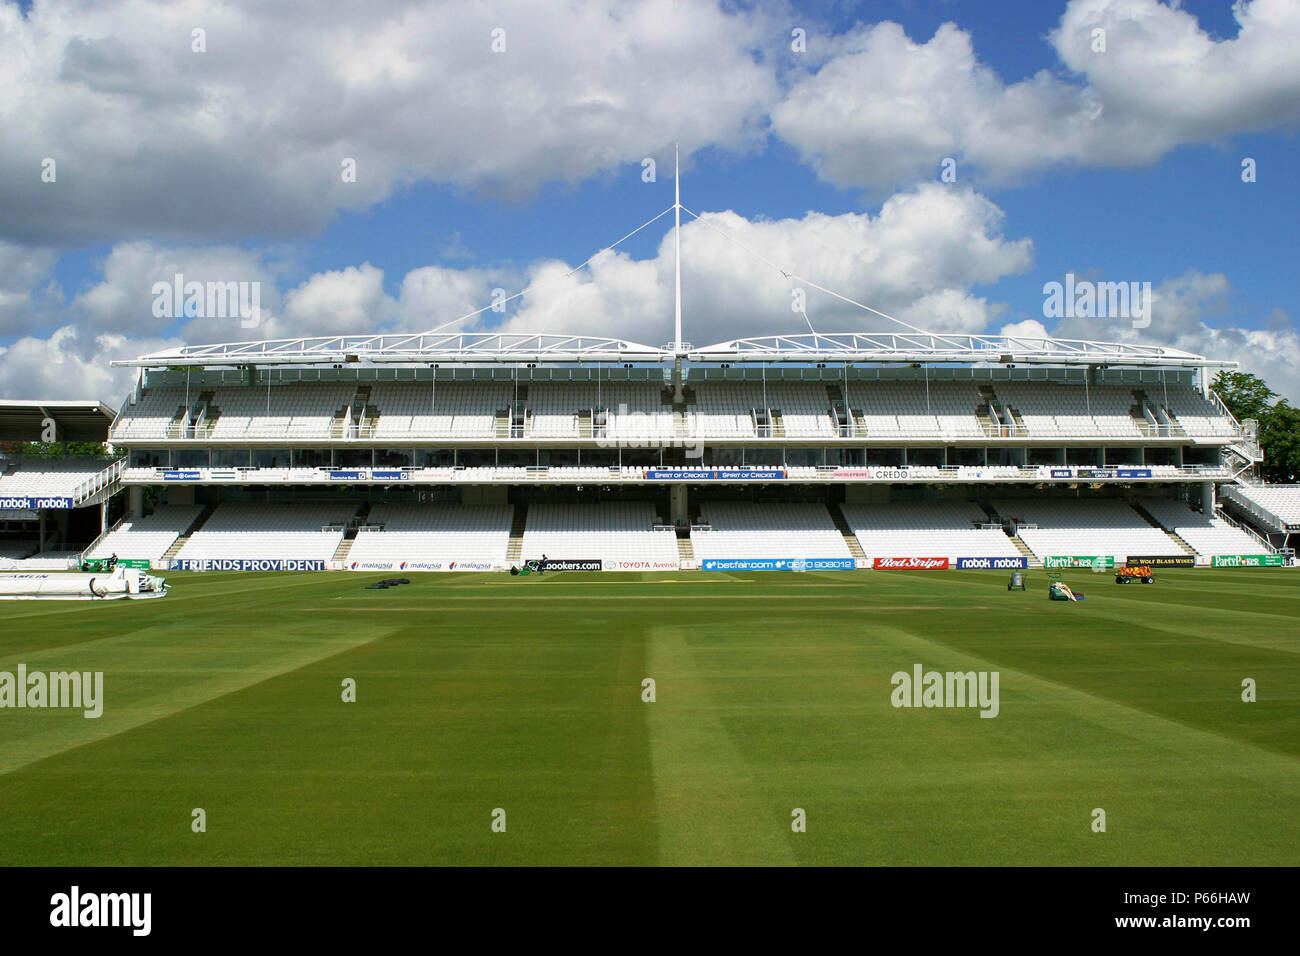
[926, 529]
[621, 533]
[147, 537]
[781, 531]
[297, 531]
[1085, 527]
[433, 534]
[1207, 534]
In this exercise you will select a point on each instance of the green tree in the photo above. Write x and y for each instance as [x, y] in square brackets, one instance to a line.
[60, 449]
[1279, 437]
[1246, 395]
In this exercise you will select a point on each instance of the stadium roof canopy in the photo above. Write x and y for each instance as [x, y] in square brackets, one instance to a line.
[513, 348]
[73, 421]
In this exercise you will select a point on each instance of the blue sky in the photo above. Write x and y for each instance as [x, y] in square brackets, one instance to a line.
[476, 172]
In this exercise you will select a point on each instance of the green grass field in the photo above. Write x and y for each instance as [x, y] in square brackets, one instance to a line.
[477, 692]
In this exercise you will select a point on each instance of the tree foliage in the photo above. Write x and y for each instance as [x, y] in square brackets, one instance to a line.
[1248, 396]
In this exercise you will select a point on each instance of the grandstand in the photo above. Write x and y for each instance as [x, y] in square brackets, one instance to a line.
[297, 531]
[950, 529]
[452, 450]
[146, 538]
[1207, 534]
[731, 530]
[679, 459]
[1273, 509]
[621, 535]
[404, 536]
[1084, 527]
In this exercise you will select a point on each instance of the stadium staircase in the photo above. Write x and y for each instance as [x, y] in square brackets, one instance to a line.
[197, 421]
[181, 540]
[1031, 559]
[685, 552]
[778, 424]
[358, 419]
[515, 550]
[1150, 519]
[1001, 415]
[847, 421]
[681, 423]
[350, 532]
[850, 539]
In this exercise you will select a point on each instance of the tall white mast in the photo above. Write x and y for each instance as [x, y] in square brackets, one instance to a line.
[677, 243]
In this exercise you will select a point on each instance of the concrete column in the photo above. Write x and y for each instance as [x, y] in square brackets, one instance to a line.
[135, 501]
[1207, 497]
[677, 504]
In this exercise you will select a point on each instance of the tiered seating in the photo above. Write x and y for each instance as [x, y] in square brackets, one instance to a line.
[1199, 417]
[636, 411]
[1096, 526]
[726, 411]
[621, 533]
[805, 410]
[926, 529]
[150, 416]
[742, 530]
[1276, 506]
[291, 531]
[554, 408]
[434, 534]
[1207, 534]
[894, 409]
[53, 479]
[148, 537]
[451, 409]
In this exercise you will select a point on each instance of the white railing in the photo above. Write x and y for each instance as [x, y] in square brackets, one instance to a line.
[102, 535]
[1263, 543]
[578, 474]
[1259, 511]
[629, 431]
[99, 481]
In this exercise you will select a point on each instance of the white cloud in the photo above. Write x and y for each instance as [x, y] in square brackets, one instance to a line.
[150, 138]
[23, 273]
[339, 301]
[123, 300]
[67, 365]
[1028, 329]
[915, 260]
[1192, 312]
[886, 110]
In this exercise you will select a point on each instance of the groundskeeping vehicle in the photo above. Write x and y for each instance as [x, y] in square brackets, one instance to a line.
[98, 565]
[1135, 572]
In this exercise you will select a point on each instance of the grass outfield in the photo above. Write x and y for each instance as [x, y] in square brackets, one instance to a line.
[773, 692]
